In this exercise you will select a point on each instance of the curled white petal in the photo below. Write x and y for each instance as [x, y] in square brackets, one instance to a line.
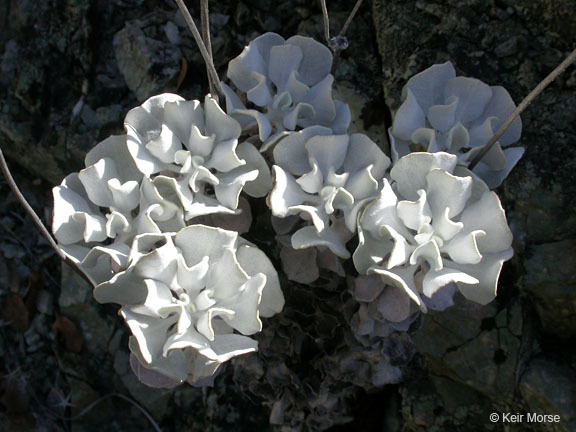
[327, 179]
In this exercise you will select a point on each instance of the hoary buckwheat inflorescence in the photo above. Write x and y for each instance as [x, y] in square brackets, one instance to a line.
[134, 220]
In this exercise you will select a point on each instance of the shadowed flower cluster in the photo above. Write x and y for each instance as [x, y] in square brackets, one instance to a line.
[458, 115]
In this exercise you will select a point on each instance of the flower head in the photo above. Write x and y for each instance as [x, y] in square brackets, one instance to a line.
[327, 179]
[191, 299]
[99, 211]
[458, 115]
[198, 147]
[290, 81]
[432, 226]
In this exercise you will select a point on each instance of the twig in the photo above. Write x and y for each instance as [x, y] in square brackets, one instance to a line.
[45, 233]
[27, 207]
[326, 21]
[349, 19]
[203, 50]
[205, 24]
[339, 42]
[523, 105]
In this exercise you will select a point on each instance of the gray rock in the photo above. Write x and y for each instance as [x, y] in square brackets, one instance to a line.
[550, 278]
[473, 345]
[149, 66]
[45, 302]
[76, 303]
[74, 289]
[549, 388]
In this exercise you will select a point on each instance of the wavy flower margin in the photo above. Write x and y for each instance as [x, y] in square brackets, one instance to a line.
[327, 179]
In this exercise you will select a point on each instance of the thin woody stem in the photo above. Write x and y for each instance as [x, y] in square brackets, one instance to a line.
[28, 208]
[523, 105]
[205, 24]
[326, 21]
[203, 50]
[350, 18]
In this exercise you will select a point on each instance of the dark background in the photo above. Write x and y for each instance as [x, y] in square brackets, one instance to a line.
[71, 69]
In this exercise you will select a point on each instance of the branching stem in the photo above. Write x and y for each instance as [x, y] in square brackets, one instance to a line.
[202, 47]
[523, 105]
[326, 21]
[205, 24]
[350, 18]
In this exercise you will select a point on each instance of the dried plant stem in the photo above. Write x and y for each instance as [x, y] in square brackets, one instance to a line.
[28, 208]
[205, 24]
[350, 18]
[523, 105]
[202, 47]
[326, 21]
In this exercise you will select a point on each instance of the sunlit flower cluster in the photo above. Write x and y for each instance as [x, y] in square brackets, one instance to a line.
[418, 226]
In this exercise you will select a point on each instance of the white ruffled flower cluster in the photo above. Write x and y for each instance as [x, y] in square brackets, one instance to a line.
[193, 294]
[197, 147]
[184, 300]
[433, 225]
[328, 179]
[429, 225]
[99, 211]
[458, 115]
[180, 160]
[289, 83]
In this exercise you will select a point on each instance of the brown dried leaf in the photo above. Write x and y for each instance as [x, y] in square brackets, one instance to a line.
[182, 74]
[73, 339]
[15, 398]
[15, 313]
